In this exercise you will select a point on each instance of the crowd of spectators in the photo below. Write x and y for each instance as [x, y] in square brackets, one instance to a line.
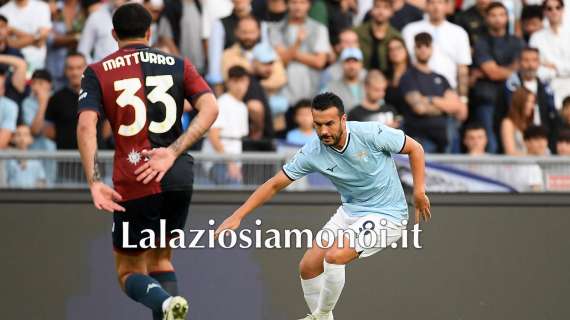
[462, 76]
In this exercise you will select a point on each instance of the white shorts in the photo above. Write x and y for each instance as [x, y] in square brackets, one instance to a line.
[371, 233]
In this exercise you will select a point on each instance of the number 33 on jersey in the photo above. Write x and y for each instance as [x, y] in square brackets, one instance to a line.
[141, 91]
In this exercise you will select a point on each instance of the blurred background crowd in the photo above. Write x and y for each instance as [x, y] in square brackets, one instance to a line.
[460, 76]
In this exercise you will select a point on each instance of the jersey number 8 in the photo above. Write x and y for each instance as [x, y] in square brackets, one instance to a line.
[128, 97]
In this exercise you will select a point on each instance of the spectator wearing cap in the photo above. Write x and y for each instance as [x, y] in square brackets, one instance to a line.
[348, 38]
[302, 44]
[375, 35]
[554, 46]
[451, 51]
[351, 87]
[373, 106]
[30, 24]
[563, 143]
[8, 113]
[267, 70]
[96, 41]
[430, 101]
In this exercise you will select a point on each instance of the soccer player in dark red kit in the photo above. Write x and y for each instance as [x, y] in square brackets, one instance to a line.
[141, 91]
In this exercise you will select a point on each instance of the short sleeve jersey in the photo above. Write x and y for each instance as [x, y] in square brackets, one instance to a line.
[141, 91]
[364, 172]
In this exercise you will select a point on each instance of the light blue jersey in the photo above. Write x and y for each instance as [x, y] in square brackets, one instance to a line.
[364, 172]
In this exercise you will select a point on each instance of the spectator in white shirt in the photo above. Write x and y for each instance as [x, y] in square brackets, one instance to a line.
[554, 44]
[30, 21]
[231, 126]
[96, 41]
[451, 51]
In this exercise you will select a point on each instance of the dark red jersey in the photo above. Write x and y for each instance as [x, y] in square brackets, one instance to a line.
[141, 91]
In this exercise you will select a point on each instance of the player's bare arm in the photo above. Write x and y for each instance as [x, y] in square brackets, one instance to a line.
[417, 163]
[104, 197]
[261, 195]
[162, 159]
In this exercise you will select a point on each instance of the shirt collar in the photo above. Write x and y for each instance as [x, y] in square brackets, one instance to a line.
[345, 142]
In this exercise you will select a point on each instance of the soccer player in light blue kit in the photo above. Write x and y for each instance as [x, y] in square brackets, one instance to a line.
[357, 158]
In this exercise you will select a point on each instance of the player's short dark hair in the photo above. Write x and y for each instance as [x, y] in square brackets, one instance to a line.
[389, 2]
[303, 103]
[237, 72]
[423, 39]
[535, 132]
[474, 125]
[532, 12]
[74, 53]
[495, 5]
[42, 74]
[566, 102]
[131, 21]
[564, 135]
[3, 18]
[529, 49]
[326, 100]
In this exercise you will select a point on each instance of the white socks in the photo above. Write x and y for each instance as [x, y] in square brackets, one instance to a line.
[331, 289]
[312, 291]
[165, 304]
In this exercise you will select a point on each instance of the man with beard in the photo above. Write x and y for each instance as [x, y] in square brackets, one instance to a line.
[357, 158]
[494, 61]
[429, 101]
[545, 114]
[242, 54]
[375, 35]
[302, 44]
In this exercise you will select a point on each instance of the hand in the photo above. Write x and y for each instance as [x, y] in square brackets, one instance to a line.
[231, 223]
[422, 207]
[105, 198]
[160, 160]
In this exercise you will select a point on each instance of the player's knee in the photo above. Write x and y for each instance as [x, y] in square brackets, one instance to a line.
[309, 270]
[335, 257]
[159, 260]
